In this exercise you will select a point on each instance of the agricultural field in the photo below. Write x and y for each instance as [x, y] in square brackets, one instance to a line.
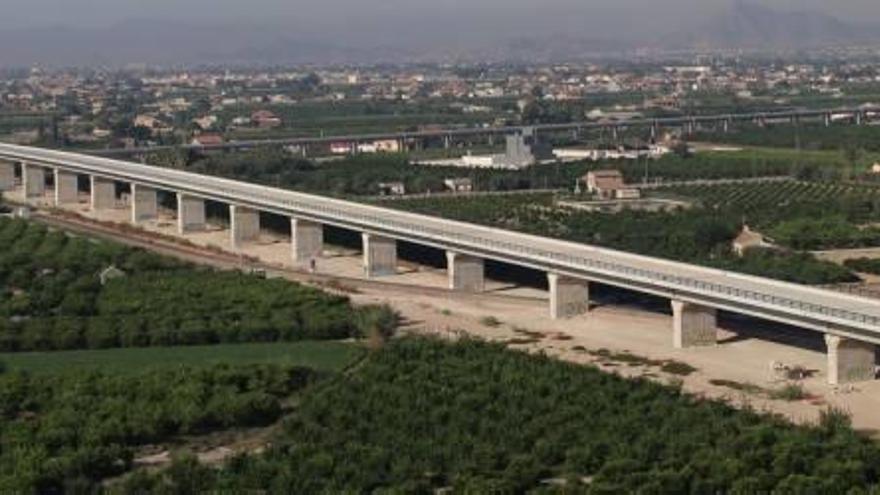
[65, 432]
[702, 234]
[61, 292]
[360, 175]
[424, 415]
[797, 214]
[118, 374]
[857, 140]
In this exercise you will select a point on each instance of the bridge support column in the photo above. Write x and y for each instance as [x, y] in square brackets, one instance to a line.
[244, 225]
[103, 194]
[850, 360]
[144, 203]
[380, 255]
[694, 325]
[190, 213]
[568, 296]
[306, 240]
[466, 273]
[66, 187]
[7, 176]
[33, 179]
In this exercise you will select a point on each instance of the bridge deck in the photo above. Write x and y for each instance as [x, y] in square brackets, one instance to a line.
[814, 308]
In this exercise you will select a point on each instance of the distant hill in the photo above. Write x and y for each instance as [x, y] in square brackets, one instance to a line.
[167, 42]
[555, 36]
[748, 25]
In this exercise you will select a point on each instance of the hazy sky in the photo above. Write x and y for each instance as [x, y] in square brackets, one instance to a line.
[362, 14]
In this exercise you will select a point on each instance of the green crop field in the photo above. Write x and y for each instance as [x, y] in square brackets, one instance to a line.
[325, 356]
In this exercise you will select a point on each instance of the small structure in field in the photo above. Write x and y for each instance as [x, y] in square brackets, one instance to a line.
[609, 184]
[110, 273]
[748, 239]
[459, 185]
[392, 189]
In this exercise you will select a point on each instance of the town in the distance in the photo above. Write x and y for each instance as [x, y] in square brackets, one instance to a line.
[552, 263]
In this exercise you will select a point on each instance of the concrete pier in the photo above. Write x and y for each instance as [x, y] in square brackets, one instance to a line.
[144, 203]
[103, 195]
[244, 225]
[466, 273]
[850, 360]
[7, 176]
[66, 187]
[34, 180]
[190, 213]
[306, 240]
[568, 296]
[694, 325]
[380, 255]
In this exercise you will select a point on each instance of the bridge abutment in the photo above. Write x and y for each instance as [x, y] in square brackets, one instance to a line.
[694, 325]
[66, 187]
[568, 296]
[850, 360]
[7, 176]
[144, 203]
[380, 255]
[466, 273]
[33, 179]
[244, 225]
[190, 213]
[103, 193]
[306, 240]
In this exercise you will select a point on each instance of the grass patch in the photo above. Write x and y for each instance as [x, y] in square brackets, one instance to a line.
[522, 341]
[528, 333]
[490, 321]
[791, 392]
[677, 368]
[750, 388]
[667, 366]
[325, 356]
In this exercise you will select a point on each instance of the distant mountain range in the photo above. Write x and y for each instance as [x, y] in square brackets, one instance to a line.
[741, 25]
[168, 43]
[748, 25]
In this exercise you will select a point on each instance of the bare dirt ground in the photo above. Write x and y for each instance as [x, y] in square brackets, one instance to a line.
[736, 370]
[841, 255]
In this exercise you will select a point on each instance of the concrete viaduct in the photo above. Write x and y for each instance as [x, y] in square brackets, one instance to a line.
[689, 123]
[851, 324]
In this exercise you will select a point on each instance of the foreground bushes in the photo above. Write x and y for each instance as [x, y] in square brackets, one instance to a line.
[51, 298]
[66, 432]
[423, 415]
